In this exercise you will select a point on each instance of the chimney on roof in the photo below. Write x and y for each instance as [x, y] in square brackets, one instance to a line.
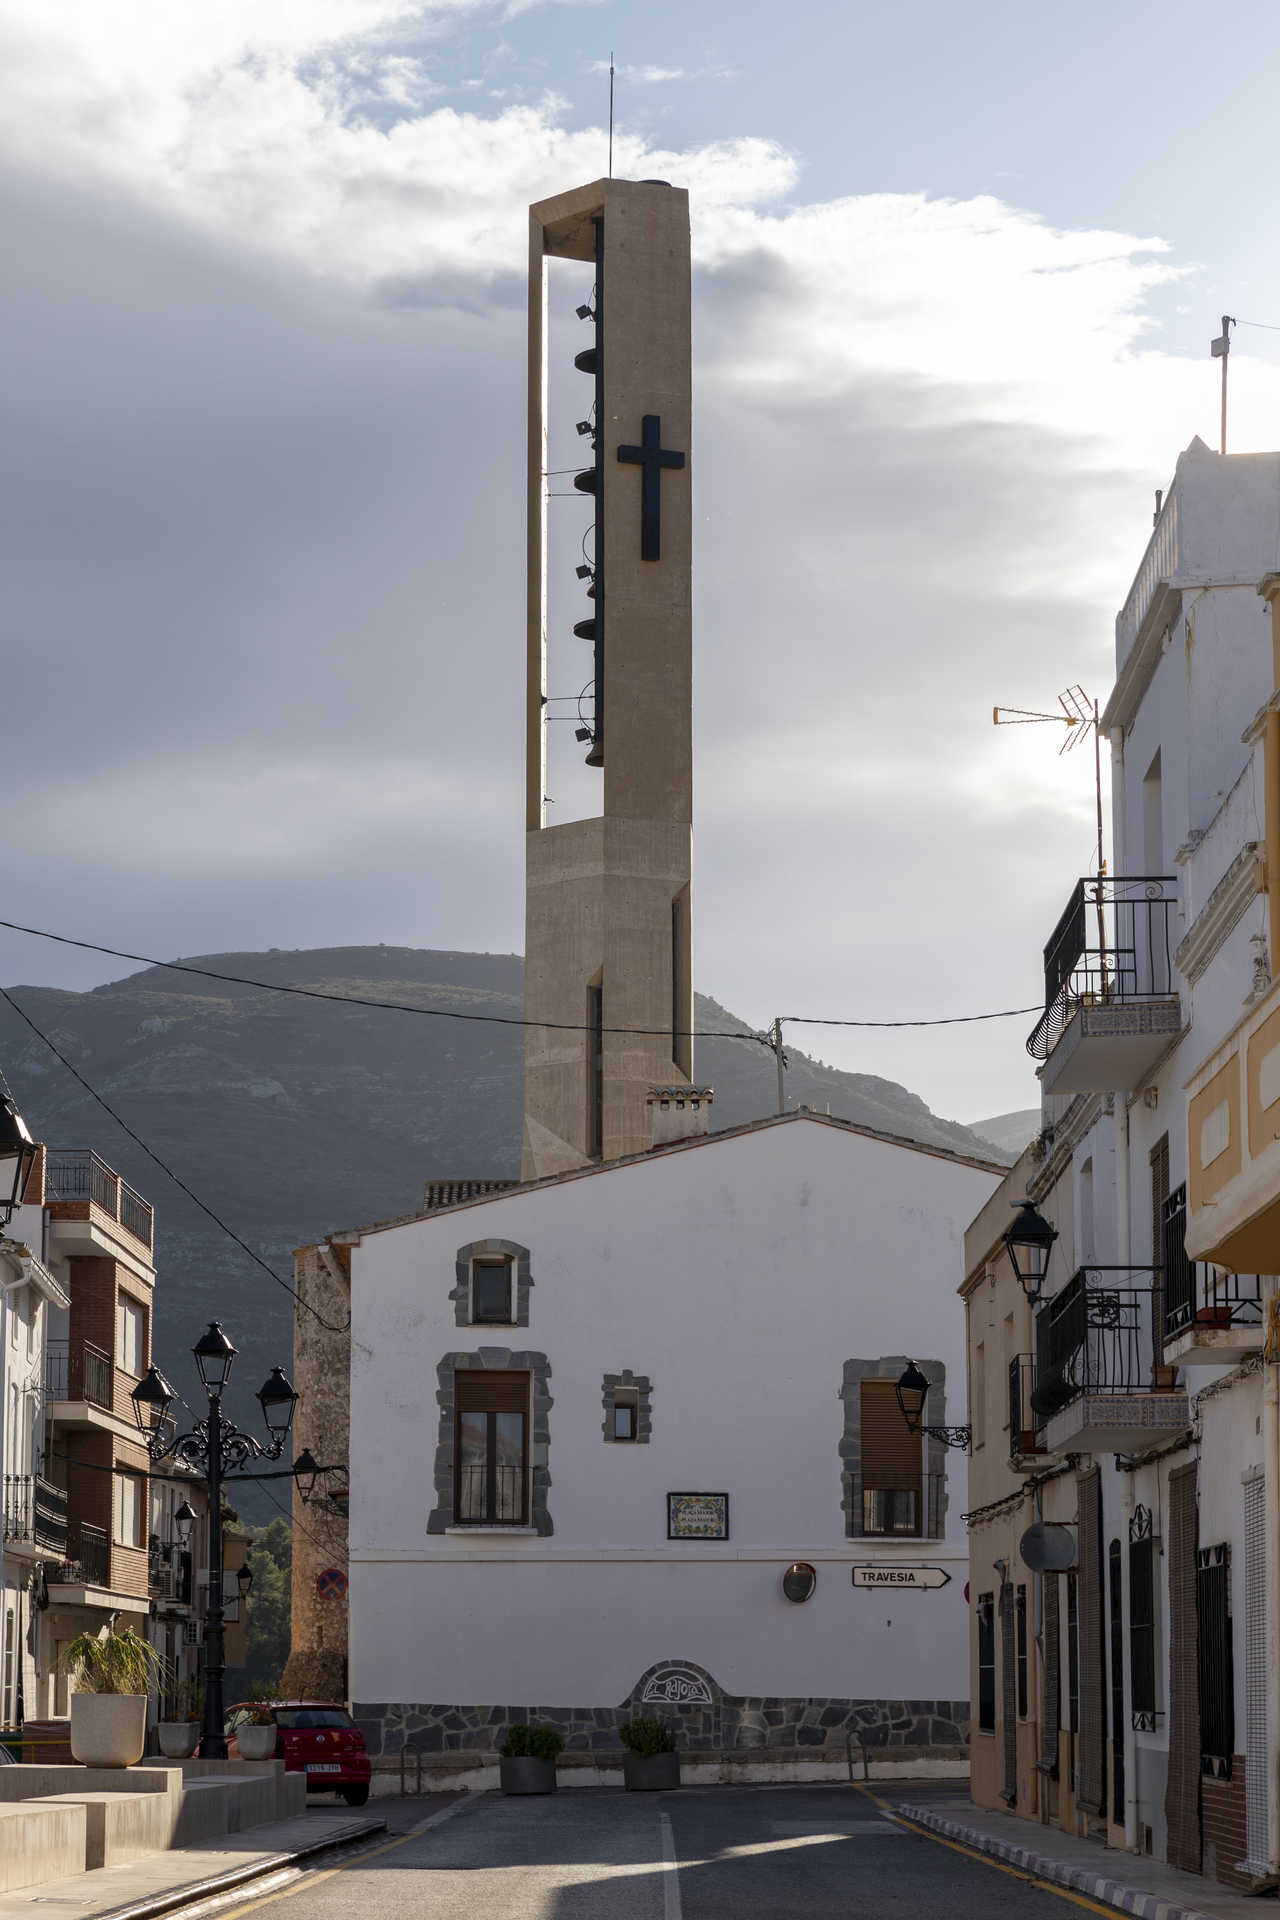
[678, 1113]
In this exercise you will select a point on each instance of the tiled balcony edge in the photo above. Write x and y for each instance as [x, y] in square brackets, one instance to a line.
[1099, 1886]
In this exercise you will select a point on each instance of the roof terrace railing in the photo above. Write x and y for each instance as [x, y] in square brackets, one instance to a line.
[77, 1173]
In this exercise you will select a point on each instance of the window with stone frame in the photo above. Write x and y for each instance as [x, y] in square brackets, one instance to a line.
[627, 1419]
[492, 1281]
[893, 1482]
[491, 1452]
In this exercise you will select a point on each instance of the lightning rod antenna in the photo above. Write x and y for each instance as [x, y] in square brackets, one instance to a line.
[611, 113]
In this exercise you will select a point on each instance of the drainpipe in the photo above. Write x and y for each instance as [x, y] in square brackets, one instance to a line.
[1271, 1497]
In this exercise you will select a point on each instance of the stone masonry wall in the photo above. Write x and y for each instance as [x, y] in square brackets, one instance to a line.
[702, 1717]
[317, 1664]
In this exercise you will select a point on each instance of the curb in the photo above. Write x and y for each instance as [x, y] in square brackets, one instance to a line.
[215, 1883]
[1147, 1906]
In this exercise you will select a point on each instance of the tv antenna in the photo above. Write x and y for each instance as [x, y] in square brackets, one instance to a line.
[611, 132]
[1079, 715]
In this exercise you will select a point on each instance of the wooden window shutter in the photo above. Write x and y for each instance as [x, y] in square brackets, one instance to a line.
[491, 1392]
[1182, 1788]
[892, 1457]
[1091, 1779]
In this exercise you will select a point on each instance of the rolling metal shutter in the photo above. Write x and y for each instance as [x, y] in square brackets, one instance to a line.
[892, 1456]
[491, 1392]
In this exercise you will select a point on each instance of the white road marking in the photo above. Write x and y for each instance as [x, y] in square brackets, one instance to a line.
[671, 1907]
[460, 1805]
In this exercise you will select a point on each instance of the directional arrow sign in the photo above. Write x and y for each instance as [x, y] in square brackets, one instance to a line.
[917, 1578]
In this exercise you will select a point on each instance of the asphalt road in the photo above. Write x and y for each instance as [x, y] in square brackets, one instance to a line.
[793, 1853]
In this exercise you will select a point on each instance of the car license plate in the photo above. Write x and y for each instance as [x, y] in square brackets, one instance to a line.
[324, 1766]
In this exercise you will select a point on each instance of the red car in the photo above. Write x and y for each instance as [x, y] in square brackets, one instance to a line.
[317, 1738]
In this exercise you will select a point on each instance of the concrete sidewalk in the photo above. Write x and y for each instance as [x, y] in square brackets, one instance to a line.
[158, 1882]
[1129, 1882]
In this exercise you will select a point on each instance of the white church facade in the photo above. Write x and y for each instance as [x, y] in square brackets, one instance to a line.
[596, 1419]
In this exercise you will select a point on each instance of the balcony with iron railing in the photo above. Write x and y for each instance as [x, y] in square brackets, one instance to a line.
[76, 1181]
[1100, 1384]
[169, 1574]
[1111, 1004]
[34, 1514]
[77, 1371]
[88, 1562]
[1210, 1317]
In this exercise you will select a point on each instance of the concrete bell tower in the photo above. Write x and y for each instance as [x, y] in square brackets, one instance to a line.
[607, 907]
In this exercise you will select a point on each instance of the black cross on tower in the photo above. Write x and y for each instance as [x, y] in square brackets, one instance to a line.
[652, 457]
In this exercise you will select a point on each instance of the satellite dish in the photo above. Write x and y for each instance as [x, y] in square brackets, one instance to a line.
[1047, 1549]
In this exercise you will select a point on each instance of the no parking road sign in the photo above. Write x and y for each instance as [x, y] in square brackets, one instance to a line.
[331, 1584]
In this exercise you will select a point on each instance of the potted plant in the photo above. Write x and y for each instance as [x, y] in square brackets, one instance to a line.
[179, 1731]
[111, 1675]
[255, 1730]
[651, 1763]
[527, 1759]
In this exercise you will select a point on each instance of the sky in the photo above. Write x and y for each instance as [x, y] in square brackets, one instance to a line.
[956, 270]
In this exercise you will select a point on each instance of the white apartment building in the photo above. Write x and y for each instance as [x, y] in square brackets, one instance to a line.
[1144, 1414]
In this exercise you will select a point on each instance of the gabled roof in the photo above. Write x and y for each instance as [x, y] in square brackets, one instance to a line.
[597, 1170]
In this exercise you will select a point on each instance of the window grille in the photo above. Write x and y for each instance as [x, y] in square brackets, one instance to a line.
[1214, 1672]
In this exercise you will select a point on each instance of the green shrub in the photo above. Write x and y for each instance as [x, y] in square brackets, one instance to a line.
[110, 1662]
[525, 1742]
[645, 1737]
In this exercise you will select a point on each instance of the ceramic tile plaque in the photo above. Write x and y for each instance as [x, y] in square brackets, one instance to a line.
[697, 1516]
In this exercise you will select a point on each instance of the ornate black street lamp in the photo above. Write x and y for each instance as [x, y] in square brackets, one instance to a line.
[213, 1448]
[1029, 1239]
[912, 1390]
[17, 1157]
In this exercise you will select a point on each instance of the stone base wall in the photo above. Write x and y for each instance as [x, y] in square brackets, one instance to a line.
[702, 1718]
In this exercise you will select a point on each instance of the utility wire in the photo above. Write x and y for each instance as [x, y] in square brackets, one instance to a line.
[165, 1168]
[492, 1019]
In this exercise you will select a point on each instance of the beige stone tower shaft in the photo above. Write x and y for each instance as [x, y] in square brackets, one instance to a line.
[608, 917]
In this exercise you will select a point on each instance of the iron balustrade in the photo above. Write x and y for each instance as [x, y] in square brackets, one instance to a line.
[1095, 1337]
[169, 1575]
[1196, 1293]
[1023, 1436]
[78, 1174]
[89, 1565]
[78, 1371]
[506, 1507]
[1112, 945]
[34, 1512]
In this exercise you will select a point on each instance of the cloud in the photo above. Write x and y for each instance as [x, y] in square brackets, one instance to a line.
[647, 76]
[264, 508]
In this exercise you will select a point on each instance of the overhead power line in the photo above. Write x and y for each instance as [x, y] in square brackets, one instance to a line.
[167, 1170]
[494, 1019]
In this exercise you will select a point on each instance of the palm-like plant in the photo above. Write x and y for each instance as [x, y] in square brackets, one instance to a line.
[111, 1662]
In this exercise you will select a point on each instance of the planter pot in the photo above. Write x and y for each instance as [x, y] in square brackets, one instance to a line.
[108, 1729]
[256, 1743]
[178, 1738]
[655, 1773]
[522, 1774]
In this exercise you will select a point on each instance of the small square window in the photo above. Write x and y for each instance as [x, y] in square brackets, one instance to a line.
[491, 1291]
[624, 1417]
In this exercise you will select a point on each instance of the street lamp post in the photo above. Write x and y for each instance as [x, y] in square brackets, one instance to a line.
[213, 1448]
[912, 1390]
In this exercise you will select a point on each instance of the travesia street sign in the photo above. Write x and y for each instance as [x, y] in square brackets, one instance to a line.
[915, 1577]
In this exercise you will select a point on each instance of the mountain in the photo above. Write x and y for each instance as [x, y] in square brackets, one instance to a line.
[291, 1118]
[1009, 1132]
